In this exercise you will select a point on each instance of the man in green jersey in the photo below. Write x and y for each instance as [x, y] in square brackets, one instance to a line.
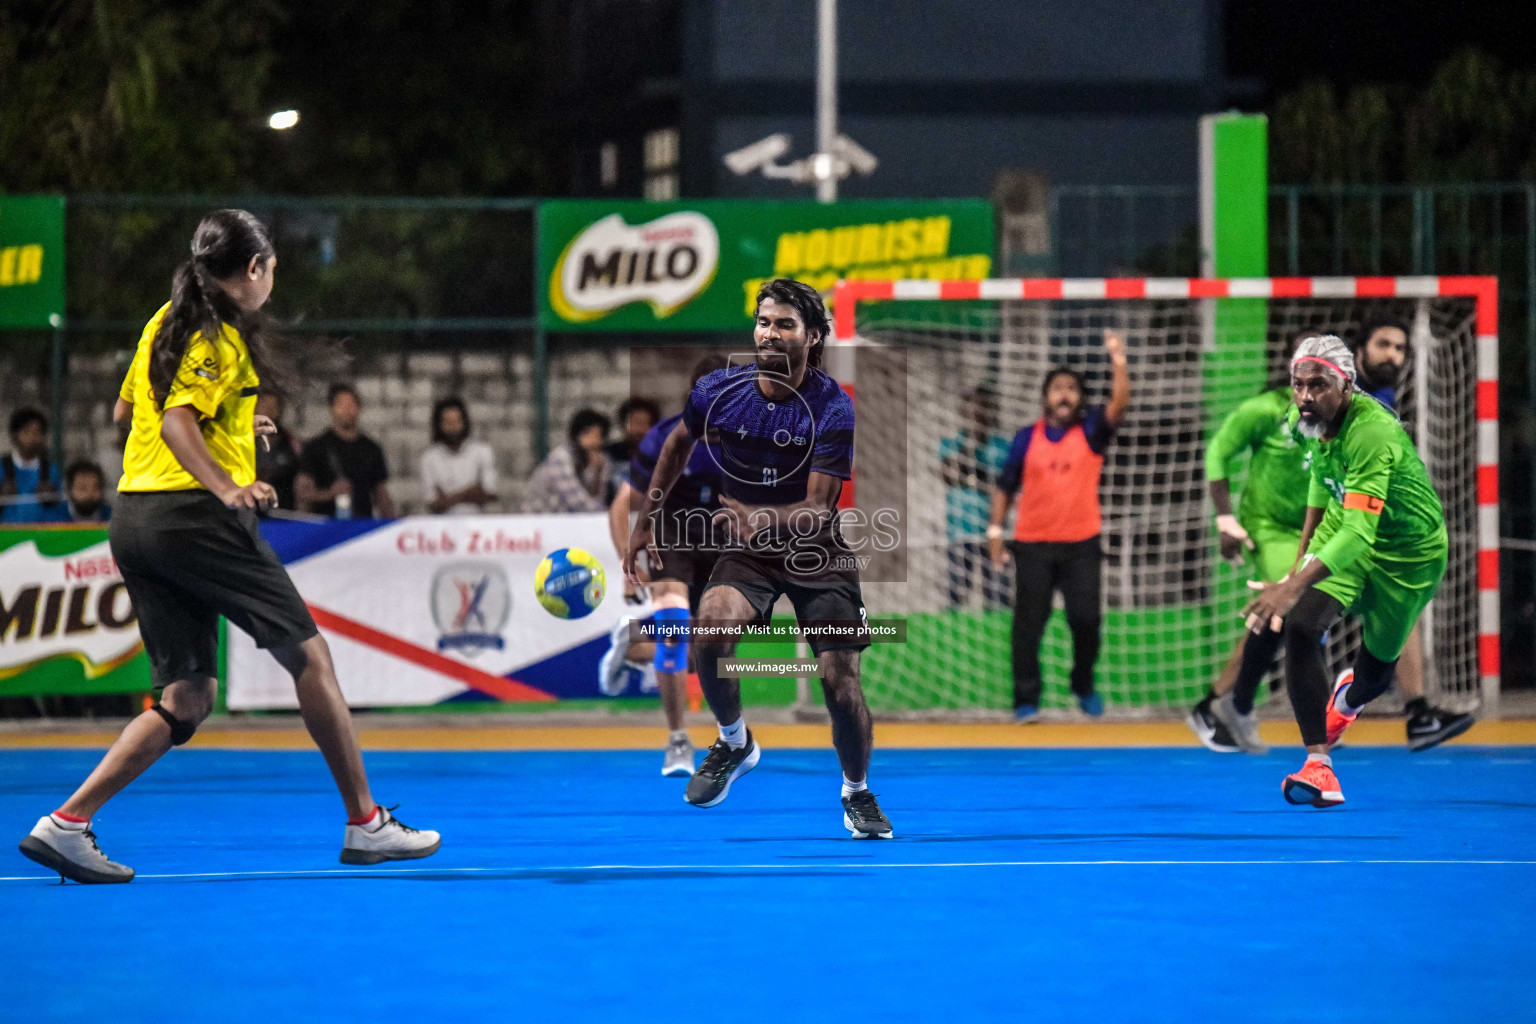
[1376, 545]
[1267, 527]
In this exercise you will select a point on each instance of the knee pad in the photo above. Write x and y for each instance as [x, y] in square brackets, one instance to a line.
[671, 640]
[180, 731]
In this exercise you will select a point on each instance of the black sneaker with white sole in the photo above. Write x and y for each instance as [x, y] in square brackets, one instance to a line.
[1434, 726]
[1209, 730]
[863, 818]
[722, 766]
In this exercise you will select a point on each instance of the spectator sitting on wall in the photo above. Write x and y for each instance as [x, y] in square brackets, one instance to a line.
[342, 472]
[85, 488]
[29, 482]
[575, 475]
[457, 475]
[277, 454]
[636, 418]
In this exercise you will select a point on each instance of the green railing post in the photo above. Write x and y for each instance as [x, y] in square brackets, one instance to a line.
[56, 389]
[540, 357]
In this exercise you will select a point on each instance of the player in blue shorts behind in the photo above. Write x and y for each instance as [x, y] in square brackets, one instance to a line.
[786, 446]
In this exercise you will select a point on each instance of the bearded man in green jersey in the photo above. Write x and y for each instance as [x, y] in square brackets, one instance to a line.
[1267, 527]
[1375, 544]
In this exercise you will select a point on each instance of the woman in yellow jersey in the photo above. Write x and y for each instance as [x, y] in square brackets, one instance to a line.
[185, 538]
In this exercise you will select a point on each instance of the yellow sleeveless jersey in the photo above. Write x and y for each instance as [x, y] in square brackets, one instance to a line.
[218, 381]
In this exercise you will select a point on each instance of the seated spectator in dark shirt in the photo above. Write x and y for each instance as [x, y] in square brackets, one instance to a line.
[342, 472]
[29, 482]
[636, 418]
[277, 454]
[85, 490]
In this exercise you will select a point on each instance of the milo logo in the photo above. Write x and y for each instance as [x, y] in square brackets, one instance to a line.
[64, 606]
[667, 263]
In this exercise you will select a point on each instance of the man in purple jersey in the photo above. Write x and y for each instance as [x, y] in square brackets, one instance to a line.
[688, 546]
[786, 446]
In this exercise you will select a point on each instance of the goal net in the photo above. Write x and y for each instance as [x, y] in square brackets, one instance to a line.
[1170, 604]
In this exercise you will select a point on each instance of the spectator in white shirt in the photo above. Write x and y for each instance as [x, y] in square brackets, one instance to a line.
[458, 476]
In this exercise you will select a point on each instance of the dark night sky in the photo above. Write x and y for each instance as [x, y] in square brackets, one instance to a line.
[1282, 43]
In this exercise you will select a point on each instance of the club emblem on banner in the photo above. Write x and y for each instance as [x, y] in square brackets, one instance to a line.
[471, 603]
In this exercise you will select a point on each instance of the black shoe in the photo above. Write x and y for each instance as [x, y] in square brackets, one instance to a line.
[1434, 726]
[1210, 730]
[862, 816]
[721, 766]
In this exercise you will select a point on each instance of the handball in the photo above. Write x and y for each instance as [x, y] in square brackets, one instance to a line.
[570, 583]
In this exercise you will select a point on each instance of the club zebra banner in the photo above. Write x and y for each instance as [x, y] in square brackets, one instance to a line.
[67, 624]
[432, 609]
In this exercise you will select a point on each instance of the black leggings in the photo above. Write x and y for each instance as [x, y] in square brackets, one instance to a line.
[1040, 569]
[1306, 665]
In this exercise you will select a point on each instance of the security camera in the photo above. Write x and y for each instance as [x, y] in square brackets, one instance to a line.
[855, 155]
[765, 151]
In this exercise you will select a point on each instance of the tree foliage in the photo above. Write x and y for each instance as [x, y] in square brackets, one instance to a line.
[132, 94]
[436, 97]
[1474, 121]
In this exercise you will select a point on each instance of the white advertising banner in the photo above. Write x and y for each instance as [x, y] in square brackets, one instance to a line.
[430, 608]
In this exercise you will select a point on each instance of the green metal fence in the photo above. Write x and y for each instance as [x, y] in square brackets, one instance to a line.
[398, 274]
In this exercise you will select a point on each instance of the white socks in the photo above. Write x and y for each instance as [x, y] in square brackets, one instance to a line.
[735, 734]
[1341, 702]
[850, 788]
[72, 826]
[677, 735]
[1328, 761]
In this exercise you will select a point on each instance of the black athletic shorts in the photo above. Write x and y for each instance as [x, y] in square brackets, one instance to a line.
[186, 560]
[815, 572]
[690, 562]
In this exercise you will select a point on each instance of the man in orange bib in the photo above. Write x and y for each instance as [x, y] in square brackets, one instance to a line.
[1054, 465]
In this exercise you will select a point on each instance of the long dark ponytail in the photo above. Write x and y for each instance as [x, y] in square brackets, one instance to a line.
[222, 247]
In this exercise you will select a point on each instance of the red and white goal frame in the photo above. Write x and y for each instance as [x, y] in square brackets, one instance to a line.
[1484, 291]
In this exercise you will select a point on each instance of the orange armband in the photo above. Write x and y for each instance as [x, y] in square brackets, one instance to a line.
[1364, 502]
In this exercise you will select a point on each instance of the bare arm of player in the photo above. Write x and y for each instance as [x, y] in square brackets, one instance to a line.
[1120, 383]
[618, 529]
[670, 463]
[1001, 499]
[1232, 537]
[183, 436]
[1276, 600]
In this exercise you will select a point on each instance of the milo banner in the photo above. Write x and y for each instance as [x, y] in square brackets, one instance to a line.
[66, 623]
[429, 609]
[696, 266]
[31, 261]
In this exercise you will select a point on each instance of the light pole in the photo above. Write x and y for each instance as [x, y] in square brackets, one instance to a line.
[826, 101]
[836, 155]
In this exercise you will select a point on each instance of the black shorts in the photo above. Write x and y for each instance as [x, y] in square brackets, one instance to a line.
[187, 559]
[815, 575]
[689, 565]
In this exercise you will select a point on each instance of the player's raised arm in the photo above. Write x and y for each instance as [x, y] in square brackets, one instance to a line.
[1120, 382]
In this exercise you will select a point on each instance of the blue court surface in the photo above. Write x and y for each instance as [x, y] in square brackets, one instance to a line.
[1054, 885]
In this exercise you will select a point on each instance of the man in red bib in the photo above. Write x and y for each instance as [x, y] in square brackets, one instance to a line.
[1056, 461]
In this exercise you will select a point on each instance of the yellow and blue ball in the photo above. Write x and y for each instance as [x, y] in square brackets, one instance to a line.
[570, 583]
